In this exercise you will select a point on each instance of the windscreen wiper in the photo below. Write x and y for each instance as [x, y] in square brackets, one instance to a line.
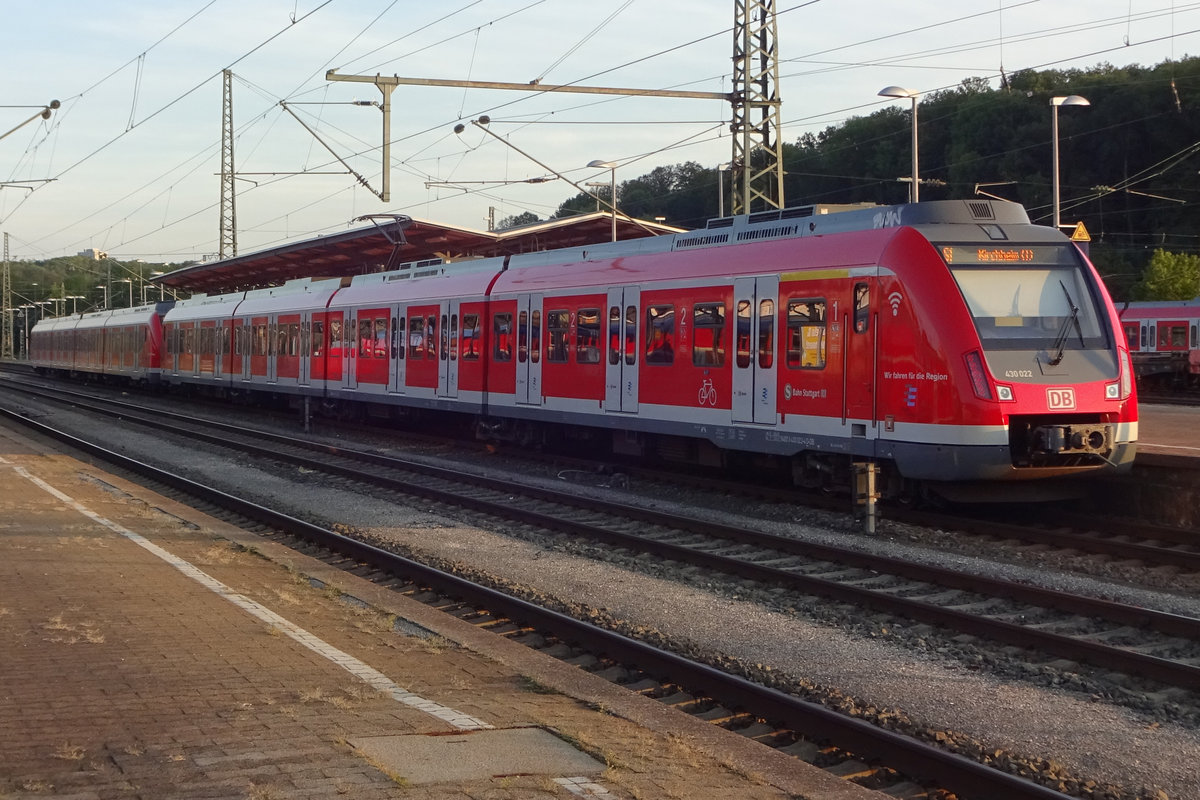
[1060, 342]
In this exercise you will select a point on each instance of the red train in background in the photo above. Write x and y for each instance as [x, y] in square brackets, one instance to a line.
[1164, 338]
[953, 343]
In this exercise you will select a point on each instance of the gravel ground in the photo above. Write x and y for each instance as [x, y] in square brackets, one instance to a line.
[1139, 743]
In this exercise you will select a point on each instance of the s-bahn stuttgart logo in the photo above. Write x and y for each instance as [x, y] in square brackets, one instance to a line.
[1061, 399]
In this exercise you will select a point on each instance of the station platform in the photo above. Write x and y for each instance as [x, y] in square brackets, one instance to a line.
[151, 651]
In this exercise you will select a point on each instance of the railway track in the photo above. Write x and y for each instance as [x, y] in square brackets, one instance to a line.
[1111, 636]
[848, 747]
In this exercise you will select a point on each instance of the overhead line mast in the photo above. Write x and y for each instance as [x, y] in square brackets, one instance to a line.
[228, 197]
[757, 162]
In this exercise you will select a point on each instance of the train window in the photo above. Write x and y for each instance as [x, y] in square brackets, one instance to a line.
[743, 334]
[587, 336]
[398, 328]
[806, 333]
[631, 317]
[502, 336]
[1150, 340]
[614, 335]
[381, 337]
[557, 331]
[522, 337]
[1195, 344]
[453, 349]
[766, 333]
[189, 339]
[862, 307]
[431, 337]
[535, 337]
[1131, 335]
[470, 337]
[225, 340]
[1172, 336]
[293, 338]
[1034, 306]
[318, 338]
[416, 337]
[708, 335]
[366, 343]
[335, 337]
[660, 334]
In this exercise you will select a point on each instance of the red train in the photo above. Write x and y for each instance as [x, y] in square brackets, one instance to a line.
[1164, 340]
[953, 343]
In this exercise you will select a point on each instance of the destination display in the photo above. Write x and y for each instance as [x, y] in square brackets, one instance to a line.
[967, 254]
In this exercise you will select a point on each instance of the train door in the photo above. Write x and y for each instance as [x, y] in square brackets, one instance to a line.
[244, 331]
[448, 351]
[529, 349]
[304, 368]
[399, 346]
[755, 302]
[860, 359]
[349, 351]
[621, 366]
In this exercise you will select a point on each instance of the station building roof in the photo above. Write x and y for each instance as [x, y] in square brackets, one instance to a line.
[391, 240]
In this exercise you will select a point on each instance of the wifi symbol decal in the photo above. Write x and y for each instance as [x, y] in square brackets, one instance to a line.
[894, 298]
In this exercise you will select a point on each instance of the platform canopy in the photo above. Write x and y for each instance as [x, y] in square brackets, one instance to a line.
[386, 241]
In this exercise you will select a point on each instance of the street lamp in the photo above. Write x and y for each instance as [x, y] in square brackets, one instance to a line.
[899, 92]
[610, 165]
[1055, 102]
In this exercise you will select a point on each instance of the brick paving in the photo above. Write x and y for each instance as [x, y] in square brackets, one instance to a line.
[122, 676]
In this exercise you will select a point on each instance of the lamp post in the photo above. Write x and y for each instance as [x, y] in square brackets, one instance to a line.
[900, 92]
[612, 166]
[1055, 102]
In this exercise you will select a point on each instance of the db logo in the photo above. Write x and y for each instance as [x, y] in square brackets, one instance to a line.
[1060, 398]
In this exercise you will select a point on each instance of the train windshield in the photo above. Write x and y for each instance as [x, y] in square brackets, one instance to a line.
[1039, 299]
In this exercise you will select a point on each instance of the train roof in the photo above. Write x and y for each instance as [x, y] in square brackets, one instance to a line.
[1159, 309]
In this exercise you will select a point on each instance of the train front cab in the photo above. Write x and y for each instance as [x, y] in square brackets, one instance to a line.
[1046, 367]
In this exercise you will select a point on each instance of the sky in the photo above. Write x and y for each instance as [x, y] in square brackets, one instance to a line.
[130, 162]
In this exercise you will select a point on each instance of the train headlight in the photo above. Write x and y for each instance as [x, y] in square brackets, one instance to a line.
[1123, 387]
[978, 374]
[1005, 393]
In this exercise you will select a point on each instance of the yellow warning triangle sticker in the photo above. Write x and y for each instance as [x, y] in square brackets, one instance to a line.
[1080, 234]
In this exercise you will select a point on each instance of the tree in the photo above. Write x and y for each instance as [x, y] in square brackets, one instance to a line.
[1170, 276]
[517, 220]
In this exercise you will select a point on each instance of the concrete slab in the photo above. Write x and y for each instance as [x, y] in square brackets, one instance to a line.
[475, 755]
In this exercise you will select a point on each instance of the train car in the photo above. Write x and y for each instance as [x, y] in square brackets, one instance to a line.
[50, 344]
[1164, 338]
[196, 341]
[952, 341]
[121, 345]
[414, 337]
